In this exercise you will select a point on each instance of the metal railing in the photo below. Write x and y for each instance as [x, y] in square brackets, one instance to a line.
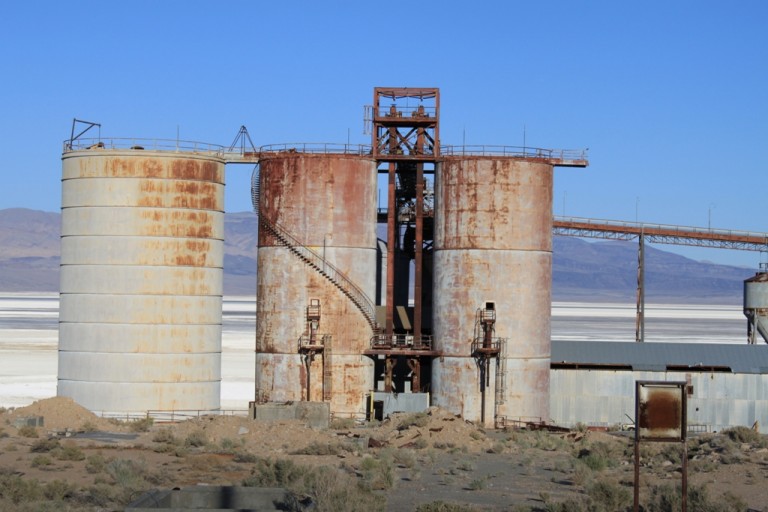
[407, 112]
[514, 151]
[401, 342]
[165, 416]
[318, 148]
[190, 146]
[478, 344]
[305, 342]
[187, 146]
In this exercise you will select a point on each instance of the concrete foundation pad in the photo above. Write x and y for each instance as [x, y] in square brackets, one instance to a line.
[314, 414]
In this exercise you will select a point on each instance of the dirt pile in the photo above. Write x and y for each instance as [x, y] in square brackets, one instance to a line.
[60, 413]
[434, 428]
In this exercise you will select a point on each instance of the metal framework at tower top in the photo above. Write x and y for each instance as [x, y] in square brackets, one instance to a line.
[407, 129]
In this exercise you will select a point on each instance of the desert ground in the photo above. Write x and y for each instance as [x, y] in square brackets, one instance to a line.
[423, 462]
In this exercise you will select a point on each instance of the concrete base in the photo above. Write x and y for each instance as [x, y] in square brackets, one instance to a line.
[385, 404]
[211, 498]
[314, 414]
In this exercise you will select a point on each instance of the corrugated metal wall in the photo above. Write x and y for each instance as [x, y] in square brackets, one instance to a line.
[604, 397]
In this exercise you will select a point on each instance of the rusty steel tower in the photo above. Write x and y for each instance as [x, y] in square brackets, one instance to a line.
[405, 141]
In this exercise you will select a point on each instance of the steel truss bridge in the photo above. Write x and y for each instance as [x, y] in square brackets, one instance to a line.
[661, 233]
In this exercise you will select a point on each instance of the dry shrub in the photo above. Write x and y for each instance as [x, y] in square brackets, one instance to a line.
[28, 431]
[196, 439]
[58, 490]
[598, 456]
[141, 425]
[608, 496]
[44, 445]
[205, 462]
[131, 477]
[88, 426]
[41, 461]
[319, 448]
[745, 435]
[95, 463]
[342, 423]
[419, 419]
[164, 435]
[404, 458]
[17, 490]
[327, 489]
[477, 435]
[244, 458]
[274, 473]
[378, 473]
[665, 498]
[68, 451]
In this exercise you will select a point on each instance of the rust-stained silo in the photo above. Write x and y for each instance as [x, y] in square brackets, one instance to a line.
[141, 279]
[317, 247]
[756, 305]
[493, 252]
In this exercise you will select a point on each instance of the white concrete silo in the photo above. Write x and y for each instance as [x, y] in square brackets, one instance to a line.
[141, 279]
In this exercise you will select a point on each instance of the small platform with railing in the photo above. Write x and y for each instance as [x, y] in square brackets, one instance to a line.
[402, 344]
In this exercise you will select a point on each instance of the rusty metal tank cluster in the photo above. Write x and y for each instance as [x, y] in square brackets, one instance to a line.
[462, 294]
[141, 277]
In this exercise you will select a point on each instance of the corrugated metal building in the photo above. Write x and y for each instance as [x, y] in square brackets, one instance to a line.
[594, 382]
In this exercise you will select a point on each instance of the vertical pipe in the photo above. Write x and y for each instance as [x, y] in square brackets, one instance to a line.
[419, 245]
[684, 485]
[636, 493]
[640, 317]
[391, 247]
[483, 375]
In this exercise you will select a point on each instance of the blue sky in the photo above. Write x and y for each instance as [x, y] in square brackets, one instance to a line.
[671, 98]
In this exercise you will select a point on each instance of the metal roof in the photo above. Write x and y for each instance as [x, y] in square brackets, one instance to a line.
[650, 356]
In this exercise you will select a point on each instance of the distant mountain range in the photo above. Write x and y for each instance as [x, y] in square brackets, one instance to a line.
[582, 270]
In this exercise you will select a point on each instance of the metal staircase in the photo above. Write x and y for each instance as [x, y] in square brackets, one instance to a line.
[311, 258]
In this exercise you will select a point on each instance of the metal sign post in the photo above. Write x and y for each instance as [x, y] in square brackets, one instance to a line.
[660, 416]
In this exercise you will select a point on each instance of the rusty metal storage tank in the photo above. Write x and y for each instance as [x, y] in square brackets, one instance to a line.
[141, 279]
[316, 263]
[493, 253]
[756, 305]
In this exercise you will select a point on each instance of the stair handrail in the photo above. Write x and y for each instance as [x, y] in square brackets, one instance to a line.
[332, 273]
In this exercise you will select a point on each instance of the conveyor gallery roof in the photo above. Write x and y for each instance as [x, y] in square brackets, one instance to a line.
[693, 357]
